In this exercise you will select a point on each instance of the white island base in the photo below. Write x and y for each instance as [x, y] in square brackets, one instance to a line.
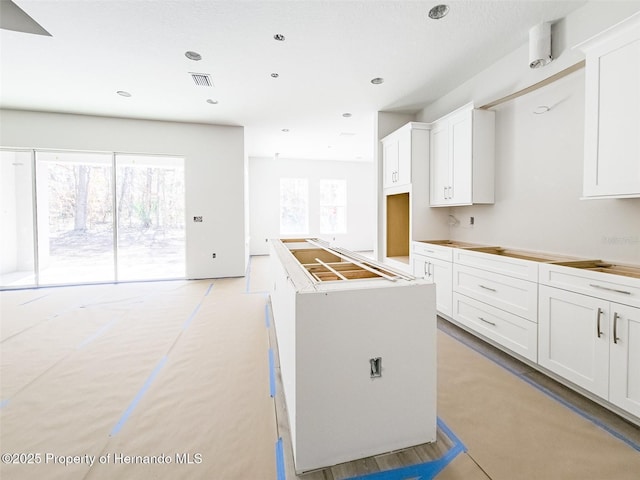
[357, 354]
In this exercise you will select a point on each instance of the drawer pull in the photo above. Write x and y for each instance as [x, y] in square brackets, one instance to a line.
[598, 331]
[616, 316]
[609, 289]
[487, 288]
[487, 321]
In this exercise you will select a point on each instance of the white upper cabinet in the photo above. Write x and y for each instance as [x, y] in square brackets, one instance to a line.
[612, 112]
[462, 158]
[399, 149]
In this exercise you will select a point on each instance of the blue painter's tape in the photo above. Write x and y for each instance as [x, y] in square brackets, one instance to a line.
[208, 290]
[127, 413]
[551, 394]
[449, 433]
[4, 403]
[423, 471]
[267, 314]
[582, 413]
[272, 374]
[191, 317]
[280, 473]
[91, 338]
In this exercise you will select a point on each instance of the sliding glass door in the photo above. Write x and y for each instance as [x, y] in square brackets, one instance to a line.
[17, 263]
[150, 212]
[98, 217]
[75, 217]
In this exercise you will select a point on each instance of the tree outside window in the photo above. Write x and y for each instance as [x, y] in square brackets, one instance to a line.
[333, 206]
[294, 206]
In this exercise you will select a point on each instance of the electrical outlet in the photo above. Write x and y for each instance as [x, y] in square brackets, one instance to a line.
[213, 255]
[472, 220]
[375, 367]
[197, 219]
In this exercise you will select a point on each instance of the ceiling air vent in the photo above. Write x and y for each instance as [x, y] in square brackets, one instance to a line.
[202, 79]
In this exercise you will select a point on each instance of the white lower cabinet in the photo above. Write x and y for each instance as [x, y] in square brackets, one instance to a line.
[439, 272]
[624, 356]
[511, 331]
[593, 343]
[501, 307]
[514, 295]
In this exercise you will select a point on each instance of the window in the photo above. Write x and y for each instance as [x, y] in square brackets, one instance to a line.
[150, 213]
[294, 206]
[85, 227]
[333, 206]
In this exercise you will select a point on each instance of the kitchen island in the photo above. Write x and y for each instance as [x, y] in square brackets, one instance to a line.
[357, 351]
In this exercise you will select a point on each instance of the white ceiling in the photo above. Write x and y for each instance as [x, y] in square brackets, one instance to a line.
[331, 52]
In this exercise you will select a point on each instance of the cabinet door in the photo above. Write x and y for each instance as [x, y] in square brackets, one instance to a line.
[573, 339]
[612, 113]
[460, 165]
[624, 387]
[439, 164]
[420, 266]
[390, 160]
[442, 275]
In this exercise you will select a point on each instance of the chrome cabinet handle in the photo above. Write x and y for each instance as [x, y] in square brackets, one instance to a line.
[426, 271]
[600, 312]
[487, 288]
[487, 321]
[609, 289]
[444, 193]
[616, 316]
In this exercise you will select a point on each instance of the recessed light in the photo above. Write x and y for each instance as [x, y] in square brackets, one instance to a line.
[275, 75]
[122, 93]
[212, 102]
[539, 110]
[439, 11]
[346, 115]
[377, 80]
[279, 37]
[193, 55]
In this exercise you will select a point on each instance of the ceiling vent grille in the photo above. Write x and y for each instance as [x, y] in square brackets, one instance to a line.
[202, 79]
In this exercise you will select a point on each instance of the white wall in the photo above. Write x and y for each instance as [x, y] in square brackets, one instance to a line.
[539, 158]
[539, 184]
[214, 172]
[264, 194]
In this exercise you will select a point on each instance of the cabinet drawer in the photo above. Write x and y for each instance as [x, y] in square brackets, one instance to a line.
[616, 288]
[432, 250]
[512, 332]
[504, 265]
[516, 296]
